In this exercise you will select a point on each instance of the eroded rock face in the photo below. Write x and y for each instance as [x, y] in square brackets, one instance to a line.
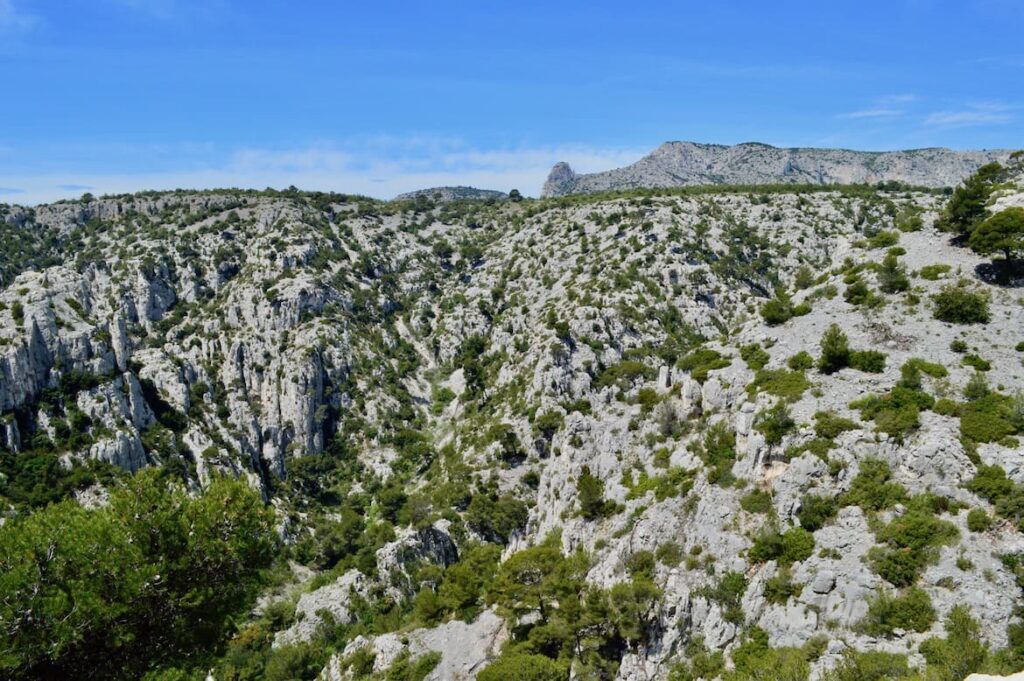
[501, 351]
[465, 648]
[676, 164]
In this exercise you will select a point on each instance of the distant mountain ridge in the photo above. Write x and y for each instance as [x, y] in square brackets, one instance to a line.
[454, 194]
[677, 164]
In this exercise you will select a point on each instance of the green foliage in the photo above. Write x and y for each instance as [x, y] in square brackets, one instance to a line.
[835, 350]
[912, 610]
[789, 385]
[496, 517]
[756, 501]
[933, 272]
[791, 546]
[754, 355]
[669, 553]
[624, 374]
[780, 310]
[151, 579]
[892, 276]
[872, 488]
[988, 418]
[780, 587]
[775, 423]
[525, 667]
[868, 361]
[718, 451]
[755, 660]
[957, 304]
[675, 482]
[961, 653]
[801, 361]
[816, 511]
[976, 362]
[828, 424]
[728, 593]
[590, 492]
[701, 361]
[1001, 233]
[870, 665]
[978, 520]
[967, 206]
[909, 545]
[896, 412]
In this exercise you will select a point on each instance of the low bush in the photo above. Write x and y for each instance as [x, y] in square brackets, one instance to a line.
[789, 385]
[756, 501]
[934, 272]
[978, 520]
[775, 423]
[754, 355]
[868, 361]
[801, 361]
[873, 489]
[701, 361]
[792, 546]
[957, 304]
[816, 511]
[911, 610]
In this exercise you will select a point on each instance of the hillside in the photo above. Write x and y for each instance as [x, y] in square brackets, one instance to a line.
[710, 432]
[678, 164]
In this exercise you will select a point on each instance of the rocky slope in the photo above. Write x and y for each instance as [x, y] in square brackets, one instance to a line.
[590, 374]
[677, 164]
[453, 194]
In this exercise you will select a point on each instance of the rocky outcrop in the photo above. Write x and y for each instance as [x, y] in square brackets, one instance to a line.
[445, 194]
[465, 648]
[677, 164]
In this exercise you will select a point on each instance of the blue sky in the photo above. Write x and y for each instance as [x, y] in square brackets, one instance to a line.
[381, 97]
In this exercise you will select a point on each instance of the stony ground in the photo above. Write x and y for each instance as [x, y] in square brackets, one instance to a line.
[598, 371]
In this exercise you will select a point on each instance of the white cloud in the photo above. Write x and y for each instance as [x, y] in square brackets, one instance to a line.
[888, 106]
[872, 113]
[380, 167]
[13, 20]
[983, 113]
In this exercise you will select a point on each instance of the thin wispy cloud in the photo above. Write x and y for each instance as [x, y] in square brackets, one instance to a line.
[987, 113]
[889, 106]
[14, 20]
[11, 190]
[381, 167]
[872, 113]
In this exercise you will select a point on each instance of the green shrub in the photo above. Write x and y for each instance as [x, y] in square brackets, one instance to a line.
[754, 355]
[978, 520]
[976, 362]
[872, 488]
[987, 419]
[870, 665]
[829, 425]
[956, 304]
[868, 361]
[590, 492]
[701, 361]
[958, 346]
[756, 501]
[775, 423]
[801, 361]
[911, 610]
[892, 276]
[789, 385]
[624, 374]
[816, 511]
[524, 668]
[669, 553]
[792, 546]
[780, 587]
[910, 541]
[718, 451]
[94, 580]
[934, 272]
[835, 350]
[967, 206]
